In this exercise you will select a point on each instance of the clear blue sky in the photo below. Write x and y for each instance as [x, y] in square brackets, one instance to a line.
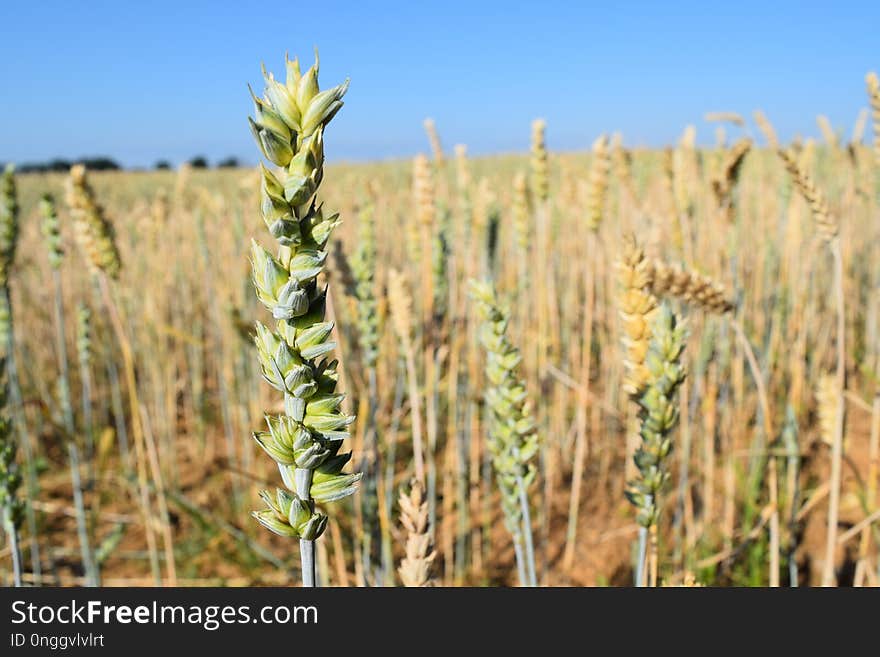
[139, 81]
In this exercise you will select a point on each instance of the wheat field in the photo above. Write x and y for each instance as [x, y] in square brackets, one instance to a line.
[732, 441]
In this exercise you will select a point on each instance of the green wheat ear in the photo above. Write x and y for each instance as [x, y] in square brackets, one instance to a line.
[8, 223]
[513, 439]
[658, 413]
[288, 126]
[363, 265]
[11, 505]
[51, 231]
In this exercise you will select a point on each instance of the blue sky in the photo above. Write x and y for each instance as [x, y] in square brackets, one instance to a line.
[140, 81]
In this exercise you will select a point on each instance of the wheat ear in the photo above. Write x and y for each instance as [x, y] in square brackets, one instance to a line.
[725, 180]
[304, 442]
[766, 128]
[94, 232]
[540, 179]
[689, 286]
[826, 224]
[873, 84]
[658, 415]
[598, 187]
[415, 567]
[400, 308]
[513, 440]
[434, 140]
[637, 306]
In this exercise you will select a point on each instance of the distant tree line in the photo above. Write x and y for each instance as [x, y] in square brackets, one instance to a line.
[201, 162]
[62, 165]
[100, 163]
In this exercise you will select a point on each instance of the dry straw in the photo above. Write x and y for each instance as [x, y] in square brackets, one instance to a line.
[828, 228]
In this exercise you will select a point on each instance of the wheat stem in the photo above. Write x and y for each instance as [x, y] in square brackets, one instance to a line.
[828, 574]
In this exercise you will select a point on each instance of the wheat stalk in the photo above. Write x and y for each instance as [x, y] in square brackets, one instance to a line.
[513, 440]
[363, 265]
[400, 308]
[52, 234]
[658, 414]
[304, 442]
[11, 506]
[701, 291]
[828, 228]
[364, 271]
[9, 233]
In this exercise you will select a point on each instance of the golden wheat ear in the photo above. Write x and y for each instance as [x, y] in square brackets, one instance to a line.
[873, 84]
[93, 230]
[689, 286]
[637, 306]
[415, 566]
[826, 224]
[598, 185]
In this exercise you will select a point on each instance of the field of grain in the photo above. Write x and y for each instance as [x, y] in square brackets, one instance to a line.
[511, 332]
